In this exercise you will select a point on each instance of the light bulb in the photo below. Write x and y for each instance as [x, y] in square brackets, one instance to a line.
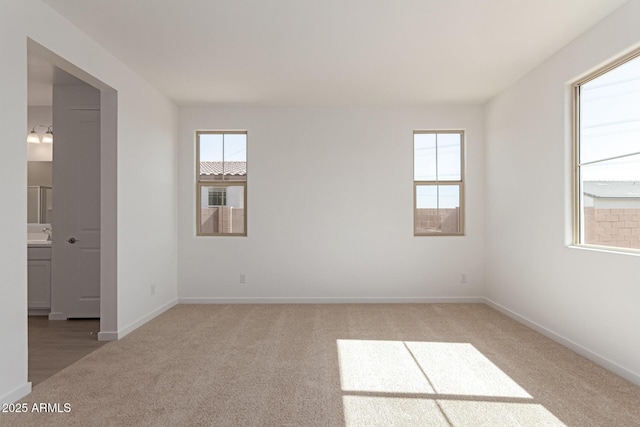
[33, 137]
[48, 137]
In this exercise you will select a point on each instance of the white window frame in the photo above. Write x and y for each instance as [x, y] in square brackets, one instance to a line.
[222, 183]
[576, 193]
[460, 183]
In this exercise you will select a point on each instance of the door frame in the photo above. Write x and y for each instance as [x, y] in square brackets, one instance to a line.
[108, 189]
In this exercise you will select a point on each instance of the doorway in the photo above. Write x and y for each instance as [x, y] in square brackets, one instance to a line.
[82, 274]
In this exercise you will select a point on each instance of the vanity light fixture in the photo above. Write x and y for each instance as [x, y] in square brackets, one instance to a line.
[47, 138]
[33, 137]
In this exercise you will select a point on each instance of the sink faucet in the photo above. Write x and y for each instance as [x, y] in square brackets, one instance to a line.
[48, 231]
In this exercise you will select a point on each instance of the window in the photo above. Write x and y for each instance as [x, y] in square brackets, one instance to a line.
[438, 183]
[607, 156]
[217, 196]
[221, 193]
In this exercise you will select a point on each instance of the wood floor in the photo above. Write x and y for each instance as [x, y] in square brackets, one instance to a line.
[56, 344]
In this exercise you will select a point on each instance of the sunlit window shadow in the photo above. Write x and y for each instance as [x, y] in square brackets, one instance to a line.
[380, 366]
[431, 383]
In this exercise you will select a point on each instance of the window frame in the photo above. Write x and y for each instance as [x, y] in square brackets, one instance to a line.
[577, 217]
[460, 183]
[222, 183]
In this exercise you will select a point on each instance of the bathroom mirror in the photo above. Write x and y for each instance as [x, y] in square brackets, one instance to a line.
[39, 192]
[39, 204]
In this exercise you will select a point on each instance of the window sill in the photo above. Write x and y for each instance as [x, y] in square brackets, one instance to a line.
[607, 249]
[437, 234]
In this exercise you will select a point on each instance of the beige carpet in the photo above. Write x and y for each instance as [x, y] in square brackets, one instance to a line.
[334, 365]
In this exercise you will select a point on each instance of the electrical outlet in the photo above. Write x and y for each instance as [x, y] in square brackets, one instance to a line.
[243, 279]
[152, 289]
[463, 278]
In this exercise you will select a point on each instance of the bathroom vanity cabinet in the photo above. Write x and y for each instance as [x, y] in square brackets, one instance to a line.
[39, 279]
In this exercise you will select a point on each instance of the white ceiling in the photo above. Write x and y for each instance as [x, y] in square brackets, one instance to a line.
[333, 52]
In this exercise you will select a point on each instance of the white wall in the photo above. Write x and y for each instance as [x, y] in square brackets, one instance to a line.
[13, 166]
[584, 298]
[330, 208]
[146, 181]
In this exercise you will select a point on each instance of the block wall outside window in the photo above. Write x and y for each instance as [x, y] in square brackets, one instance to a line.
[612, 227]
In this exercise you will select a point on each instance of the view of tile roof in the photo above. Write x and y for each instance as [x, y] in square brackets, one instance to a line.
[230, 168]
[612, 189]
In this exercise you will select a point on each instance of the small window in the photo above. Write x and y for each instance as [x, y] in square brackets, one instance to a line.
[438, 183]
[607, 156]
[221, 193]
[217, 197]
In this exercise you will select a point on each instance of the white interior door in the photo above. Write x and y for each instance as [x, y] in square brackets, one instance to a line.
[76, 210]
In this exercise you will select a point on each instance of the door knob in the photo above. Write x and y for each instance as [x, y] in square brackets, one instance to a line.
[72, 240]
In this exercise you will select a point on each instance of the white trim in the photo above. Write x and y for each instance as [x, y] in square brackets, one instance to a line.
[108, 336]
[39, 312]
[16, 394]
[612, 366]
[606, 249]
[57, 316]
[141, 321]
[328, 300]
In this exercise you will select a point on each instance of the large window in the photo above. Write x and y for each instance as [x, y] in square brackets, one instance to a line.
[221, 189]
[607, 156]
[438, 183]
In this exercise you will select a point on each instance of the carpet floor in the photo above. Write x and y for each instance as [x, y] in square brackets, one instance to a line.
[332, 365]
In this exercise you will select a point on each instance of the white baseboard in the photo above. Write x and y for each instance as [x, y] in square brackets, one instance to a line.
[38, 312]
[328, 300]
[57, 316]
[617, 369]
[141, 321]
[108, 336]
[16, 394]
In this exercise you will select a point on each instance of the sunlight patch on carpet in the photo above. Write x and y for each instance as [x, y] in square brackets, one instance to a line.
[460, 369]
[474, 414]
[379, 366]
[430, 384]
[364, 411]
